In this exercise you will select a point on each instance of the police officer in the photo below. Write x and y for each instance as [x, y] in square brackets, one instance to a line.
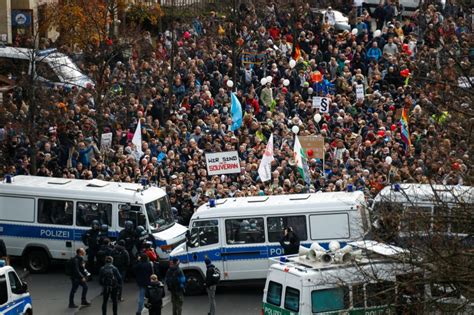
[128, 235]
[91, 240]
[105, 250]
[142, 237]
[103, 234]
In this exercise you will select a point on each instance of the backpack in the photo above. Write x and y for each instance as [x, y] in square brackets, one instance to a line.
[108, 278]
[155, 294]
[69, 266]
[216, 275]
[172, 281]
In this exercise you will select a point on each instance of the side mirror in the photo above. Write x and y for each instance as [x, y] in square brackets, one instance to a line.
[24, 287]
[141, 219]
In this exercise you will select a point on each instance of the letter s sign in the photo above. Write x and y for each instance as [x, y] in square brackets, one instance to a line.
[324, 105]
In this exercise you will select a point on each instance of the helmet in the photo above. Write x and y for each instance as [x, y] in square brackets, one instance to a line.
[95, 224]
[128, 225]
[140, 230]
[104, 228]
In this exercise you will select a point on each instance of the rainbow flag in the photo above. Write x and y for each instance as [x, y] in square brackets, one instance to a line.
[404, 128]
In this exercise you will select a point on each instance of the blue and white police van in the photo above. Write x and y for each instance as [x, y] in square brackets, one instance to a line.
[43, 218]
[239, 235]
[14, 296]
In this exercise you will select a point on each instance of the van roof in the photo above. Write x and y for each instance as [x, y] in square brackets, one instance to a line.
[328, 201]
[426, 193]
[80, 189]
[27, 53]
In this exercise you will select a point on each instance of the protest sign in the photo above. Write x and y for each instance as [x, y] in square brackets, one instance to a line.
[253, 58]
[322, 103]
[313, 146]
[360, 91]
[105, 141]
[222, 163]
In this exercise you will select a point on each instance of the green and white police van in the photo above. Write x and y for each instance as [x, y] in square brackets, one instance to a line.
[363, 277]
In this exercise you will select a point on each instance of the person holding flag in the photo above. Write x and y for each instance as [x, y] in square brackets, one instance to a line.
[137, 142]
[301, 160]
[265, 168]
[236, 112]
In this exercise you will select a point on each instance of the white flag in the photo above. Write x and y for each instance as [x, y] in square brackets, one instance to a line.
[137, 141]
[265, 168]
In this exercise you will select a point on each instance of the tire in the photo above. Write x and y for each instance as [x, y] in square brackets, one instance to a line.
[194, 283]
[37, 261]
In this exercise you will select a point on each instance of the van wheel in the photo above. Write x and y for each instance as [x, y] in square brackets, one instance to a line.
[37, 261]
[194, 283]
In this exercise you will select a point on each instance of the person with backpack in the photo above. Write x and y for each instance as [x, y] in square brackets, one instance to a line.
[213, 276]
[110, 279]
[105, 250]
[175, 281]
[122, 262]
[91, 239]
[154, 292]
[78, 274]
[143, 271]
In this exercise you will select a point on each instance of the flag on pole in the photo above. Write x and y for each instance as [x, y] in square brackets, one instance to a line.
[404, 128]
[296, 53]
[301, 160]
[265, 168]
[236, 111]
[137, 141]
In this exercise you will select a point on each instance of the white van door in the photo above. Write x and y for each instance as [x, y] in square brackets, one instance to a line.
[245, 250]
[205, 242]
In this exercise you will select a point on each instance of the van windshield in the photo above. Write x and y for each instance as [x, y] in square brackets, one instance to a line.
[159, 214]
[65, 68]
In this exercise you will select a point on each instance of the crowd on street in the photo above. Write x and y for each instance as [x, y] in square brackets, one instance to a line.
[304, 56]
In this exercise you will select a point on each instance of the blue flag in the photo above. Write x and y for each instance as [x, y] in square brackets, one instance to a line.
[236, 111]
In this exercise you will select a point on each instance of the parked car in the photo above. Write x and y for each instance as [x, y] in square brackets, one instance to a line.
[342, 21]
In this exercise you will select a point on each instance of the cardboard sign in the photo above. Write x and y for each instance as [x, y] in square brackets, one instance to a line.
[105, 141]
[360, 91]
[313, 146]
[222, 163]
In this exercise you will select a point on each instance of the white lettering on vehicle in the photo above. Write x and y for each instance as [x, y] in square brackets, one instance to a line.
[276, 251]
[54, 233]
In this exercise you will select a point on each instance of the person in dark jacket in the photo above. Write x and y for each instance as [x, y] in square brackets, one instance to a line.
[211, 285]
[78, 278]
[122, 262]
[290, 241]
[154, 293]
[105, 250]
[91, 240]
[110, 279]
[129, 237]
[176, 281]
[143, 271]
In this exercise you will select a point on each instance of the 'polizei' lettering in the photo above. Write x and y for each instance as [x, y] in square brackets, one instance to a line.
[54, 233]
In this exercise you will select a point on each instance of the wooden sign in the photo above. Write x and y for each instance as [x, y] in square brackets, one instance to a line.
[313, 146]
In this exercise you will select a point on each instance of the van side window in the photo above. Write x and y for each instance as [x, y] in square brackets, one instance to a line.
[90, 211]
[380, 293]
[277, 224]
[15, 283]
[129, 213]
[55, 211]
[292, 299]
[328, 300]
[13, 66]
[358, 295]
[45, 71]
[416, 218]
[245, 231]
[274, 293]
[3, 290]
[204, 233]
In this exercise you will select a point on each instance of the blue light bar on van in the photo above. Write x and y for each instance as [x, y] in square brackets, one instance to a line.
[2, 263]
[212, 203]
[46, 52]
[396, 187]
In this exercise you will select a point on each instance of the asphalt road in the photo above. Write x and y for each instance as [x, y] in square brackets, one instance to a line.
[50, 296]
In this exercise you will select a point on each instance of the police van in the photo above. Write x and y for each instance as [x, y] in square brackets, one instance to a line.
[43, 218]
[240, 234]
[424, 208]
[14, 296]
[48, 66]
[358, 278]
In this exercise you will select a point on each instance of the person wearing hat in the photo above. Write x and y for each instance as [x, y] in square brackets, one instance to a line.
[212, 278]
[175, 281]
[154, 293]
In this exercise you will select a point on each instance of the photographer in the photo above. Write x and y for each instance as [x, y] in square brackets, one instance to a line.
[290, 241]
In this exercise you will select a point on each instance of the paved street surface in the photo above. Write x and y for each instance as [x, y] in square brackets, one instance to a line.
[50, 296]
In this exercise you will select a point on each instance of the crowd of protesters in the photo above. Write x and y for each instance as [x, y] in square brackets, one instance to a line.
[183, 121]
